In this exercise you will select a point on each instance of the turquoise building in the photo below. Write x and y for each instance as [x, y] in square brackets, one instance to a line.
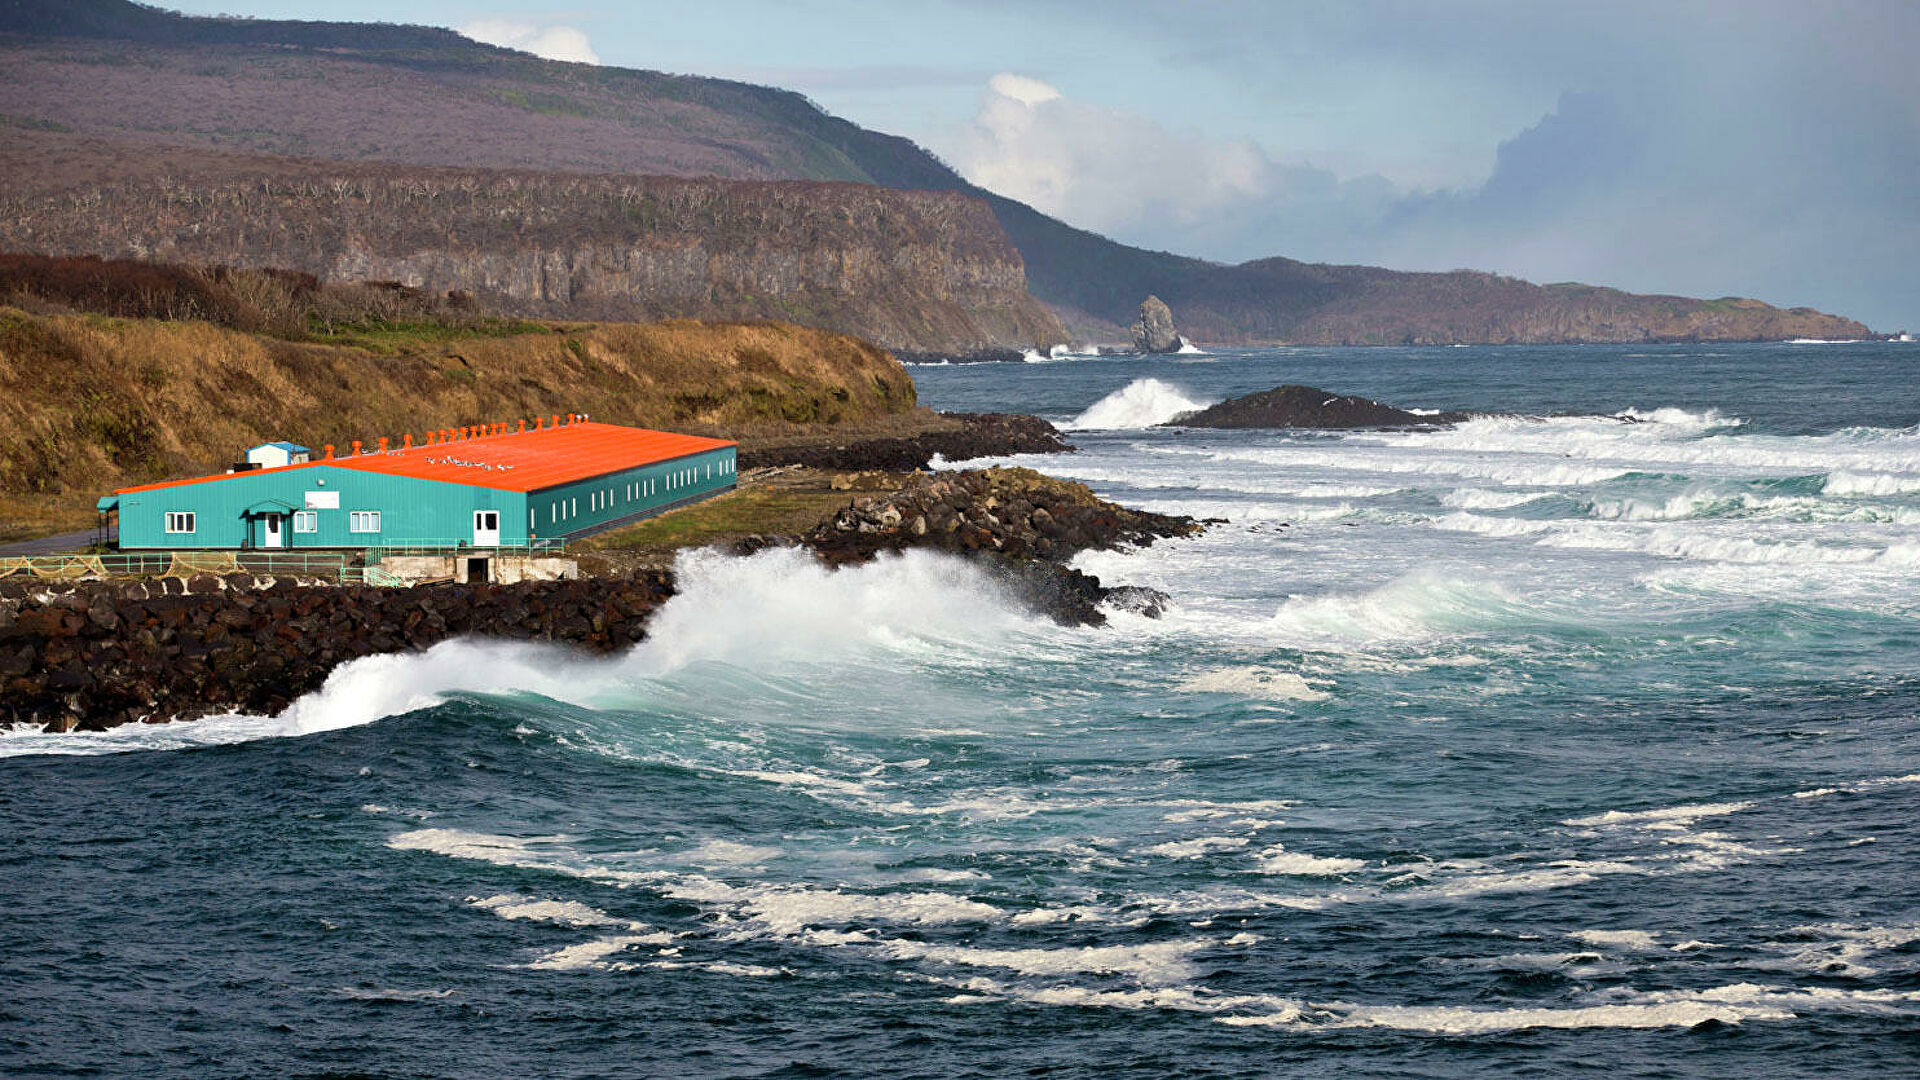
[471, 488]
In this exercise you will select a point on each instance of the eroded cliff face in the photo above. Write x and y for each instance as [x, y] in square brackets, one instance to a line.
[914, 270]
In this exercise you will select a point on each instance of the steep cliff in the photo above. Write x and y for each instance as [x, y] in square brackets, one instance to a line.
[904, 269]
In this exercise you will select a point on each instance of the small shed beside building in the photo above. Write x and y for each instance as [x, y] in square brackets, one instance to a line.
[278, 455]
[472, 488]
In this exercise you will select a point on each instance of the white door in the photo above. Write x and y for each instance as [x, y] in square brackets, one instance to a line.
[486, 528]
[272, 537]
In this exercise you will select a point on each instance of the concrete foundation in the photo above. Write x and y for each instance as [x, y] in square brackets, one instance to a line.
[480, 566]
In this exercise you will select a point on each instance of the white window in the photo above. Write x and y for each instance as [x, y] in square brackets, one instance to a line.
[306, 521]
[179, 521]
[573, 507]
[533, 520]
[363, 521]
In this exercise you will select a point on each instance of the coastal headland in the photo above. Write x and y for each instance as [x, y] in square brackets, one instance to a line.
[118, 372]
[98, 654]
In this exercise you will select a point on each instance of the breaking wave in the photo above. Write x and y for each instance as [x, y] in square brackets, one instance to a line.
[1142, 403]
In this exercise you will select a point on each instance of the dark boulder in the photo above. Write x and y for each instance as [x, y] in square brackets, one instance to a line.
[1297, 406]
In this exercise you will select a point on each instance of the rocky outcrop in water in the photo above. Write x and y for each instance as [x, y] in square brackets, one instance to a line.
[1022, 524]
[1153, 331]
[1296, 406]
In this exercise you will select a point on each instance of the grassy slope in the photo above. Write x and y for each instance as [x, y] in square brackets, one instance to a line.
[90, 403]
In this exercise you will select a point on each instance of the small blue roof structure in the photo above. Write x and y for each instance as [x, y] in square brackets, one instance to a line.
[291, 448]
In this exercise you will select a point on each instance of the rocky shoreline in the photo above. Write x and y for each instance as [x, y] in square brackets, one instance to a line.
[95, 655]
[979, 435]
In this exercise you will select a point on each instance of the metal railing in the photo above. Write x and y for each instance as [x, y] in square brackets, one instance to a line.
[152, 564]
[556, 546]
[372, 575]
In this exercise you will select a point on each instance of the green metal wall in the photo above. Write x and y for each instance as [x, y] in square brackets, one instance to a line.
[412, 511]
[571, 509]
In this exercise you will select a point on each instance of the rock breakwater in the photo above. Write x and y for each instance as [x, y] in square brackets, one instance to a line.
[95, 655]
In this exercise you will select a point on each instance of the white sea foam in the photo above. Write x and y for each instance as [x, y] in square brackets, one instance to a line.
[1683, 542]
[1155, 964]
[1627, 939]
[558, 912]
[1142, 403]
[1278, 860]
[1490, 526]
[1677, 1011]
[728, 853]
[1851, 950]
[1670, 815]
[1849, 484]
[1256, 682]
[1199, 847]
[595, 954]
[1421, 605]
[1483, 499]
[785, 605]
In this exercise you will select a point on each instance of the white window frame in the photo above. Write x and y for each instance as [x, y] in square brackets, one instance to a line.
[181, 521]
[306, 521]
[359, 520]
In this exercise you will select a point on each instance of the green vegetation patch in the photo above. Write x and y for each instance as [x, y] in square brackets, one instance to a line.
[33, 123]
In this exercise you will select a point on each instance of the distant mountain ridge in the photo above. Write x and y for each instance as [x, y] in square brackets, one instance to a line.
[419, 96]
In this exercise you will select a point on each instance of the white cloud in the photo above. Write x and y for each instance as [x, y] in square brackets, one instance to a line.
[551, 42]
[1128, 175]
[1022, 89]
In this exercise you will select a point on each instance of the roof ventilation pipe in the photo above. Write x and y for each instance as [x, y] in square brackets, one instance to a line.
[383, 444]
[356, 448]
[329, 449]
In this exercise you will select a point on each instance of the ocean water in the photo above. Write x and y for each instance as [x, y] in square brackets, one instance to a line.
[1583, 740]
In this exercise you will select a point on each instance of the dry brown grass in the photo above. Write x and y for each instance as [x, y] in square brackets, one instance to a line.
[89, 404]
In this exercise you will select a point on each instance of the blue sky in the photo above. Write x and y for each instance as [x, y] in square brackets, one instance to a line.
[1706, 147]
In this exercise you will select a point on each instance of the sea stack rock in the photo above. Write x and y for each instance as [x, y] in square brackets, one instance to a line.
[1153, 331]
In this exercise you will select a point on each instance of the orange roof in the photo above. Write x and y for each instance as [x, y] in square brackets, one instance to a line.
[516, 461]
